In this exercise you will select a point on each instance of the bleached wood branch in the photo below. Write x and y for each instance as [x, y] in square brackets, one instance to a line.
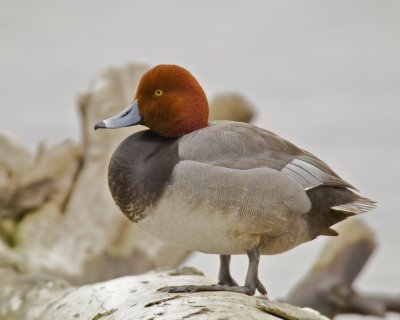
[62, 192]
[328, 287]
[57, 218]
[135, 297]
[58, 221]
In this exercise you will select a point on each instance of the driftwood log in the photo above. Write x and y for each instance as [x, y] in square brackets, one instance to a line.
[60, 232]
[56, 212]
[134, 297]
[328, 287]
[57, 216]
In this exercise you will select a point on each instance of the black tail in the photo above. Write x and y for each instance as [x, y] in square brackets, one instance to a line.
[331, 205]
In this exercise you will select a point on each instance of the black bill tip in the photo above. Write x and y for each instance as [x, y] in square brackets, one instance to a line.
[99, 125]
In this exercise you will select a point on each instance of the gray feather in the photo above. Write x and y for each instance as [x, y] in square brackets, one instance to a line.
[359, 206]
[311, 176]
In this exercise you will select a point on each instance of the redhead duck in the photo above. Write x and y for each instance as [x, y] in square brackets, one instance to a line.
[222, 187]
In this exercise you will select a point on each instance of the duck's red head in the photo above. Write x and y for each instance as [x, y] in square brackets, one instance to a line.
[169, 101]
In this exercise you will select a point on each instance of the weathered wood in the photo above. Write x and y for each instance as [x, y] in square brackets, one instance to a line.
[135, 297]
[231, 106]
[328, 287]
[57, 218]
[56, 212]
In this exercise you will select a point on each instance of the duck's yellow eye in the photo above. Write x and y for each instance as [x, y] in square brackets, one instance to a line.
[158, 92]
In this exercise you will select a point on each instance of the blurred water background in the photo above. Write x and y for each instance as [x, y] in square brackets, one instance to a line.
[323, 74]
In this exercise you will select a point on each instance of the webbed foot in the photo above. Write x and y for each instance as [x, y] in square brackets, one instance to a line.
[213, 287]
[225, 280]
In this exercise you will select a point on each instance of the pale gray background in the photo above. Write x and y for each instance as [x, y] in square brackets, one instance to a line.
[324, 74]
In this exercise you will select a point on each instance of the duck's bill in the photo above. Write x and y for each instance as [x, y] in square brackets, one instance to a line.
[127, 117]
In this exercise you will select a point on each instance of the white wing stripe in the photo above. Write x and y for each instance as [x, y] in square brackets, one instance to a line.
[310, 176]
[294, 173]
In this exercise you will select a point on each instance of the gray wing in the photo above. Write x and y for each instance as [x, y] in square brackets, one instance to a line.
[242, 146]
[310, 175]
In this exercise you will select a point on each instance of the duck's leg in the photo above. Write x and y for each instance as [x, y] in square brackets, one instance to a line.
[251, 284]
[224, 276]
[252, 280]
